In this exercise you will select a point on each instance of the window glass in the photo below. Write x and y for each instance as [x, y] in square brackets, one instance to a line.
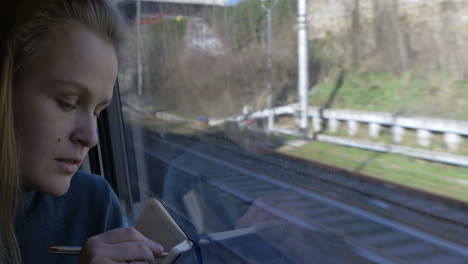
[284, 131]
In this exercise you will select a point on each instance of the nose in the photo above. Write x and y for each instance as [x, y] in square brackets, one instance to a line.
[85, 132]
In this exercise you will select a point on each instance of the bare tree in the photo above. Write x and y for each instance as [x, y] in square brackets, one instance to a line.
[355, 33]
[389, 37]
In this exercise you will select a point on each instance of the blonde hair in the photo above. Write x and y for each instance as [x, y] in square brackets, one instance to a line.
[26, 24]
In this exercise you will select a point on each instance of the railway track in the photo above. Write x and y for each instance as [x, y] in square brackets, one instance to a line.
[450, 216]
[444, 209]
[379, 227]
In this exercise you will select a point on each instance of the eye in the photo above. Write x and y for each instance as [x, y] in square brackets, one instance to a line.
[65, 105]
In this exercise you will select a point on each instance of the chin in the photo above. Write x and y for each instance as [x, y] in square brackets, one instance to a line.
[54, 184]
[56, 188]
[59, 190]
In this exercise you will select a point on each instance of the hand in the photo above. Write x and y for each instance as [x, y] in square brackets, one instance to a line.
[121, 245]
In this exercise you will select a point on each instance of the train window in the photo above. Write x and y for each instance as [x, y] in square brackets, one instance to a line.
[294, 131]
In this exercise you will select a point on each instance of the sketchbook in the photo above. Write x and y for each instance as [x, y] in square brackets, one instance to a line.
[157, 224]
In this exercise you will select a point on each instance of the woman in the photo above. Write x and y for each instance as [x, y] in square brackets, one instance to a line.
[58, 65]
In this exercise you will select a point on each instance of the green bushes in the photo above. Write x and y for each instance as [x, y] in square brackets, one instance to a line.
[245, 23]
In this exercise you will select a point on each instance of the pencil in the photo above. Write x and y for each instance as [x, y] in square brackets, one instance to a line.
[64, 250]
[67, 250]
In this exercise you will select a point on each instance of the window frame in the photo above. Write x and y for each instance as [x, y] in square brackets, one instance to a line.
[109, 157]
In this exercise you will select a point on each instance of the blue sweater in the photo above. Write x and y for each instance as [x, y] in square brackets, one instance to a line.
[90, 207]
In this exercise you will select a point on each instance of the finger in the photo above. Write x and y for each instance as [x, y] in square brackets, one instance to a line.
[99, 260]
[127, 234]
[134, 251]
[129, 262]
[119, 235]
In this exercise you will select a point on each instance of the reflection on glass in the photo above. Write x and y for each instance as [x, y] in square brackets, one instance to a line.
[380, 176]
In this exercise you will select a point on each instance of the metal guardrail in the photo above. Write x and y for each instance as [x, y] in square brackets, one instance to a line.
[453, 131]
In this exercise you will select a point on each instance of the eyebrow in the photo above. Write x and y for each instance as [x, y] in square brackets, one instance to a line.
[82, 88]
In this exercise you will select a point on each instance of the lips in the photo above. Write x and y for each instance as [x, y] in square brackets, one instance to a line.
[68, 165]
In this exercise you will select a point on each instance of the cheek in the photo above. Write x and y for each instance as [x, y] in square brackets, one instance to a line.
[40, 127]
[37, 128]
[42, 140]
[38, 144]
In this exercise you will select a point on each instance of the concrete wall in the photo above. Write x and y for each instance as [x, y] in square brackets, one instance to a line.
[394, 34]
[335, 16]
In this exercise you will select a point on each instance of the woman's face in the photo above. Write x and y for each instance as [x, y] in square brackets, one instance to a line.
[57, 96]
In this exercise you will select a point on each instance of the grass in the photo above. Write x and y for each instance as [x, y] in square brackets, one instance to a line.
[432, 94]
[445, 180]
[409, 139]
[369, 91]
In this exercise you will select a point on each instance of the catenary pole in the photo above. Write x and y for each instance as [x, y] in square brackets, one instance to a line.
[139, 63]
[270, 74]
[268, 11]
[303, 78]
